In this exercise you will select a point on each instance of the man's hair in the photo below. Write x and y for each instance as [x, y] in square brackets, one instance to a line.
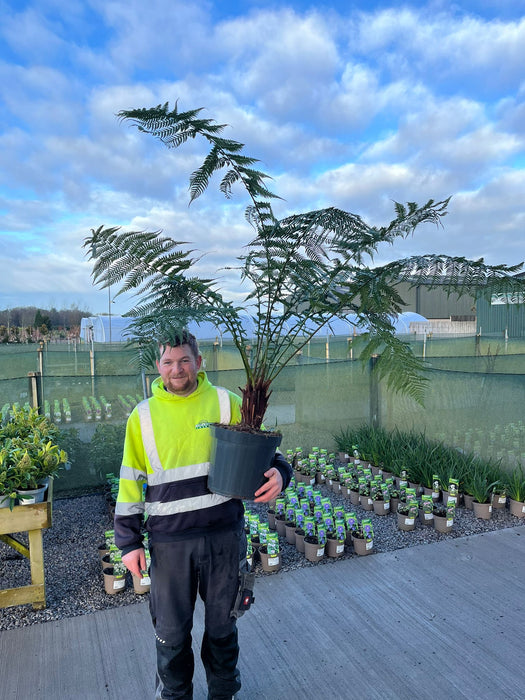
[179, 338]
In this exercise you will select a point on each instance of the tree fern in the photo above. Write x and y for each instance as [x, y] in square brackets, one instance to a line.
[303, 270]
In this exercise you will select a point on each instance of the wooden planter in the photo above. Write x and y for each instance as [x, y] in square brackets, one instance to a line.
[31, 519]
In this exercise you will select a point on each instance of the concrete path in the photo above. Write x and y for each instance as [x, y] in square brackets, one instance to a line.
[444, 620]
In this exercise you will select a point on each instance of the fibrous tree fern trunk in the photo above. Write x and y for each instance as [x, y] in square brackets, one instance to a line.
[255, 398]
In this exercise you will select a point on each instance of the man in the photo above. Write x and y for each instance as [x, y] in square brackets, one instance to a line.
[196, 538]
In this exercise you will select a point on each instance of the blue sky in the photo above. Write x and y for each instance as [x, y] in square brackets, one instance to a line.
[351, 104]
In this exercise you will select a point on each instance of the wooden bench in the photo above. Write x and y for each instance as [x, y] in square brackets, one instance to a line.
[31, 519]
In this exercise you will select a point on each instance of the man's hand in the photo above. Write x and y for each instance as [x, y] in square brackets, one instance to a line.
[272, 488]
[135, 561]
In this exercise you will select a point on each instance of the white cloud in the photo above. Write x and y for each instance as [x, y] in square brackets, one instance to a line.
[354, 110]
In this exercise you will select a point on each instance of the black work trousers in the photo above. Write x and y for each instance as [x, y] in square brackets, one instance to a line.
[208, 565]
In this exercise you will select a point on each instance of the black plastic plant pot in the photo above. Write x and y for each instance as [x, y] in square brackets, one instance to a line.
[239, 460]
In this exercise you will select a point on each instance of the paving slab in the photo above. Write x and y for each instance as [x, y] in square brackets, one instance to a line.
[444, 620]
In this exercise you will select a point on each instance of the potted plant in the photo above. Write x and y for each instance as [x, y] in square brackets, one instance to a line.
[302, 271]
[516, 490]
[300, 517]
[29, 455]
[381, 500]
[443, 516]
[481, 490]
[427, 509]
[499, 494]
[314, 540]
[335, 538]
[363, 537]
[115, 577]
[270, 554]
[406, 515]
[394, 498]
[365, 500]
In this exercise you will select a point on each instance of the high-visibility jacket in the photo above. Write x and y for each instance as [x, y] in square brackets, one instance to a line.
[166, 463]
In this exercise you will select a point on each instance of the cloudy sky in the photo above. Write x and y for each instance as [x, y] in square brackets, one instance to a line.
[351, 104]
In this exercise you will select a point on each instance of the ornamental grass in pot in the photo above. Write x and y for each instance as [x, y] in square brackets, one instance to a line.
[300, 271]
[516, 490]
[481, 490]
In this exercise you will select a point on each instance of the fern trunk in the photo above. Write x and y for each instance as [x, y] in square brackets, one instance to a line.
[255, 398]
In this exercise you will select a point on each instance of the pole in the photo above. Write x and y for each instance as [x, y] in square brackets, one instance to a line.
[109, 310]
[35, 390]
[375, 406]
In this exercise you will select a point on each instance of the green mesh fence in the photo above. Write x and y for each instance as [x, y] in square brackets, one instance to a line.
[474, 401]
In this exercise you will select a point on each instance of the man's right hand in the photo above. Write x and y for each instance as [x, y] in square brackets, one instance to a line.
[135, 561]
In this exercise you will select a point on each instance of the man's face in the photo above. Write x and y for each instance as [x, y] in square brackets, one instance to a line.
[178, 368]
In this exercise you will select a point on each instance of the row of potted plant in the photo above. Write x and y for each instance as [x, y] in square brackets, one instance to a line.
[423, 461]
[311, 522]
[29, 456]
[60, 408]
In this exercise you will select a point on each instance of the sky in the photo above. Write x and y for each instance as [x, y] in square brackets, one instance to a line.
[347, 104]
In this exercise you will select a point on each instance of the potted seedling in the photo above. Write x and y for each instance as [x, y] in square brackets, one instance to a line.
[335, 536]
[280, 516]
[427, 508]
[443, 516]
[289, 523]
[301, 272]
[407, 514]
[115, 575]
[381, 499]
[394, 496]
[363, 537]
[270, 554]
[365, 500]
[314, 540]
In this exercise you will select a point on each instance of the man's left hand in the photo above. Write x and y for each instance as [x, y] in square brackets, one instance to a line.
[272, 488]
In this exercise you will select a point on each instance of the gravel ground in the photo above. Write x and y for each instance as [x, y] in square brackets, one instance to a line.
[74, 581]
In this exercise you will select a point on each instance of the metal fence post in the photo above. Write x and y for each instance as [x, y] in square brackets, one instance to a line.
[375, 405]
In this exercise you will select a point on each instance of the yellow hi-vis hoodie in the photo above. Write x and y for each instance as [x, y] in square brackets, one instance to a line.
[165, 467]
